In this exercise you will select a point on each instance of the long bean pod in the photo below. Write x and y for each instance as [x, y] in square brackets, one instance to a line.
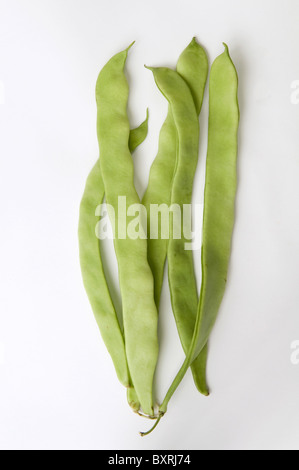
[193, 67]
[94, 277]
[219, 203]
[93, 272]
[136, 280]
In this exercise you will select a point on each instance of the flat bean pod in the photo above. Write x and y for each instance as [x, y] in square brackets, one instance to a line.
[193, 67]
[136, 279]
[220, 190]
[94, 278]
[137, 135]
[159, 192]
[93, 273]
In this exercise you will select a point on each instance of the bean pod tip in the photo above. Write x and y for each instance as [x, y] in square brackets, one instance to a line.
[128, 48]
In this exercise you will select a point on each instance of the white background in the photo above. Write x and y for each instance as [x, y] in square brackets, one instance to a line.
[58, 389]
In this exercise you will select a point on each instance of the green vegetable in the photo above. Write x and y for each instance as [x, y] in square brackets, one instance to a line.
[136, 280]
[167, 187]
[137, 136]
[141, 259]
[220, 190]
[94, 277]
[93, 273]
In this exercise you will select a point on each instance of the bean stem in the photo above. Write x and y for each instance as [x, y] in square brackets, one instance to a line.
[154, 426]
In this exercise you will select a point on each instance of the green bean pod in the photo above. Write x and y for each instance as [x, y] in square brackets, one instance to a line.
[140, 315]
[138, 135]
[219, 203]
[93, 273]
[94, 277]
[158, 193]
[192, 66]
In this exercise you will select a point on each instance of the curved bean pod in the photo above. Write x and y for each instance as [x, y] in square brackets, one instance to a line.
[137, 136]
[193, 67]
[93, 273]
[159, 192]
[182, 282]
[220, 190]
[136, 279]
[94, 278]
